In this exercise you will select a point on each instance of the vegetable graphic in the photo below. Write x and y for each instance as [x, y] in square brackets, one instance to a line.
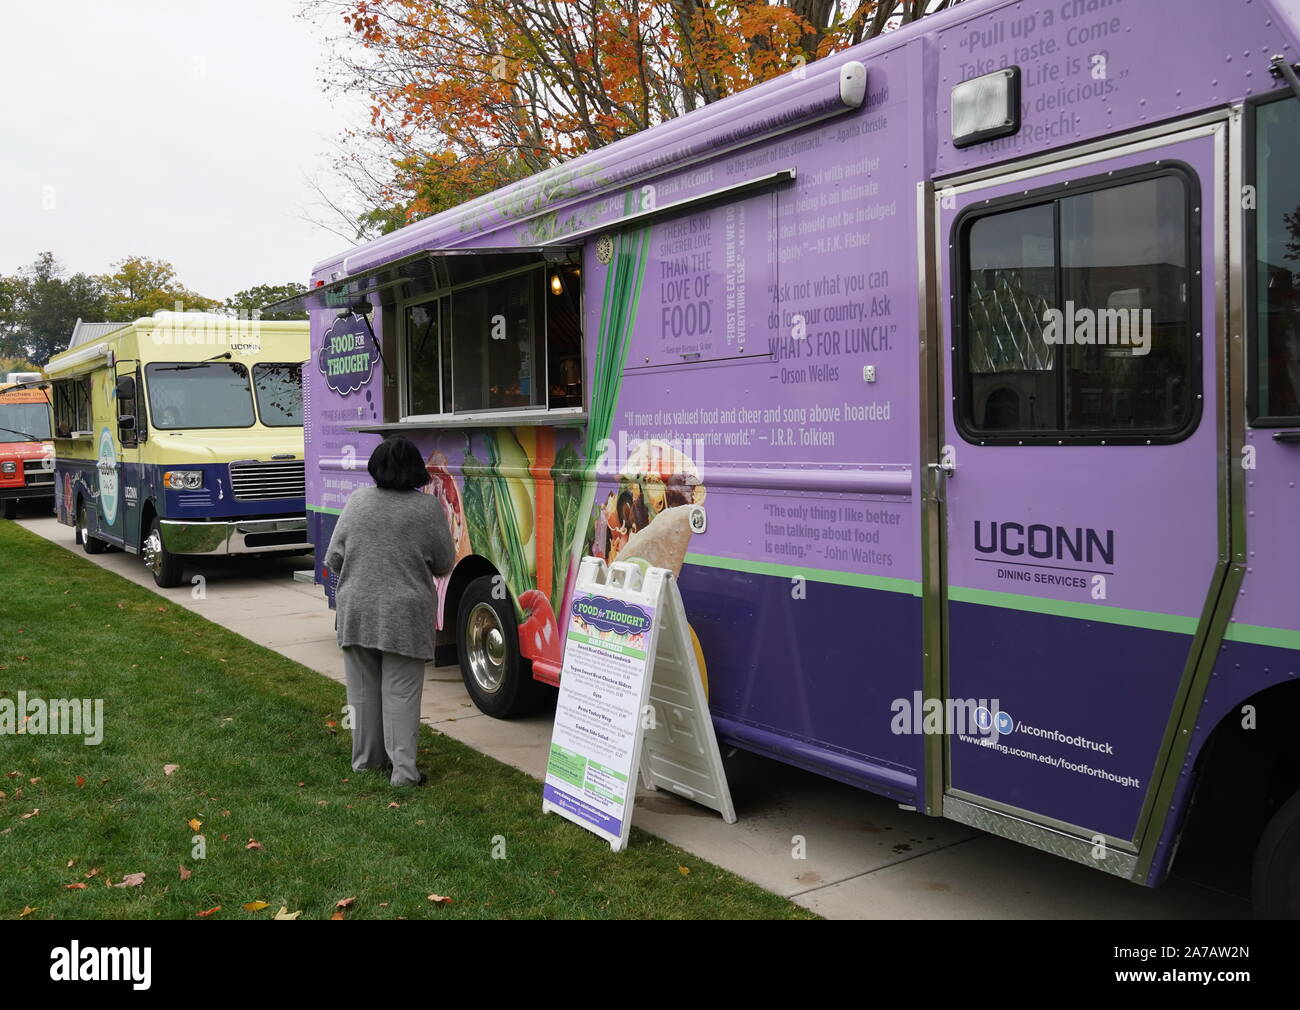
[566, 476]
[491, 515]
[443, 487]
[539, 637]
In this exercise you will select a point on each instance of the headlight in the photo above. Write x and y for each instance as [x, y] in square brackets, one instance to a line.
[8, 466]
[183, 480]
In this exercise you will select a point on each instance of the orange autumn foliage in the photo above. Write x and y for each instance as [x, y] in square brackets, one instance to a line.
[468, 96]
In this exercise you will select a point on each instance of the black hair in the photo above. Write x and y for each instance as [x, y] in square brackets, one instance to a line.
[397, 464]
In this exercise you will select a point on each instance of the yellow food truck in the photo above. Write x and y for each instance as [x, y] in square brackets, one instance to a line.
[179, 436]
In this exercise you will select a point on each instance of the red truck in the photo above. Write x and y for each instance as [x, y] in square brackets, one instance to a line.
[26, 452]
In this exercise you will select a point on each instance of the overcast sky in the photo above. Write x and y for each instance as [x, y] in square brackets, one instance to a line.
[179, 130]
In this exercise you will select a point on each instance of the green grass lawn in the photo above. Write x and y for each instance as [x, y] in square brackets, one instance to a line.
[259, 759]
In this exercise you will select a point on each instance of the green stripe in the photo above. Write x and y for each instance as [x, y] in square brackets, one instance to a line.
[1080, 611]
[322, 508]
[1256, 634]
[880, 582]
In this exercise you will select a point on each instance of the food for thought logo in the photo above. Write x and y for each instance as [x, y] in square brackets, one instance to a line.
[107, 468]
[347, 356]
[612, 615]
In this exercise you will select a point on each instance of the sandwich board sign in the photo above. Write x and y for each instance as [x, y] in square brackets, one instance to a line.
[631, 704]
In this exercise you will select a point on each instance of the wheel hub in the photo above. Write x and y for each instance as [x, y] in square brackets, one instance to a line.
[486, 647]
[151, 552]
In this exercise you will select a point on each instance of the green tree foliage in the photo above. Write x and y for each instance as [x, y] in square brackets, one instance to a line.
[40, 305]
[255, 299]
[140, 286]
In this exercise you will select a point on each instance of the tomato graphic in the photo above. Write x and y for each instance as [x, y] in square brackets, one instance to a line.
[539, 637]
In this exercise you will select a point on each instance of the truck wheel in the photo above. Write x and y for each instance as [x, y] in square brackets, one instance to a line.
[1275, 883]
[11, 508]
[496, 677]
[89, 544]
[168, 569]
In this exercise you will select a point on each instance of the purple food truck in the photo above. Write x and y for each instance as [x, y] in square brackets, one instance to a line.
[958, 377]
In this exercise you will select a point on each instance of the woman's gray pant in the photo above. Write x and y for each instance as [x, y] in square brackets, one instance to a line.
[384, 692]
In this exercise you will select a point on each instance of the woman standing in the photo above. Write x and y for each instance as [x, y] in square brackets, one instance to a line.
[389, 544]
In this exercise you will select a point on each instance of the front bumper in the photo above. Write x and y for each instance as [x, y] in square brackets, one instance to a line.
[235, 536]
[40, 489]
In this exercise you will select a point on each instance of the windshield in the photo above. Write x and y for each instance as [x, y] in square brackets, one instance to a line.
[211, 394]
[279, 394]
[18, 420]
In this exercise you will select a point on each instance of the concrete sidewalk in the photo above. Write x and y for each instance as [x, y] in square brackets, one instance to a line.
[864, 858]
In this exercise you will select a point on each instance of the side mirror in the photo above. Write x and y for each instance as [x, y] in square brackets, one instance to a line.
[126, 422]
[126, 387]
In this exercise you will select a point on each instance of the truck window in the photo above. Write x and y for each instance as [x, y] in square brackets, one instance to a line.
[1275, 382]
[1077, 313]
[212, 394]
[72, 406]
[279, 394]
[510, 342]
[20, 422]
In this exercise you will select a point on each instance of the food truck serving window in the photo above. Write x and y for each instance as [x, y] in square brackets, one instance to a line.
[72, 406]
[279, 394]
[1076, 312]
[507, 341]
[211, 394]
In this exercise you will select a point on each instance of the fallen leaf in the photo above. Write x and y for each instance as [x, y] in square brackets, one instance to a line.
[383, 904]
[284, 913]
[225, 813]
[205, 914]
[337, 915]
[186, 874]
[394, 806]
[344, 903]
[685, 871]
[11, 775]
[35, 780]
[80, 781]
[253, 843]
[93, 873]
[74, 887]
[131, 880]
[27, 910]
[71, 863]
[440, 899]
[2, 794]
[168, 769]
[255, 906]
[301, 784]
[194, 823]
[24, 817]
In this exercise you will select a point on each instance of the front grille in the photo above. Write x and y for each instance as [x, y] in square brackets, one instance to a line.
[38, 478]
[262, 481]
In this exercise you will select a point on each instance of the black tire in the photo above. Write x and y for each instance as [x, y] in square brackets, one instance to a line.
[1275, 882]
[89, 544]
[167, 569]
[497, 678]
[11, 508]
